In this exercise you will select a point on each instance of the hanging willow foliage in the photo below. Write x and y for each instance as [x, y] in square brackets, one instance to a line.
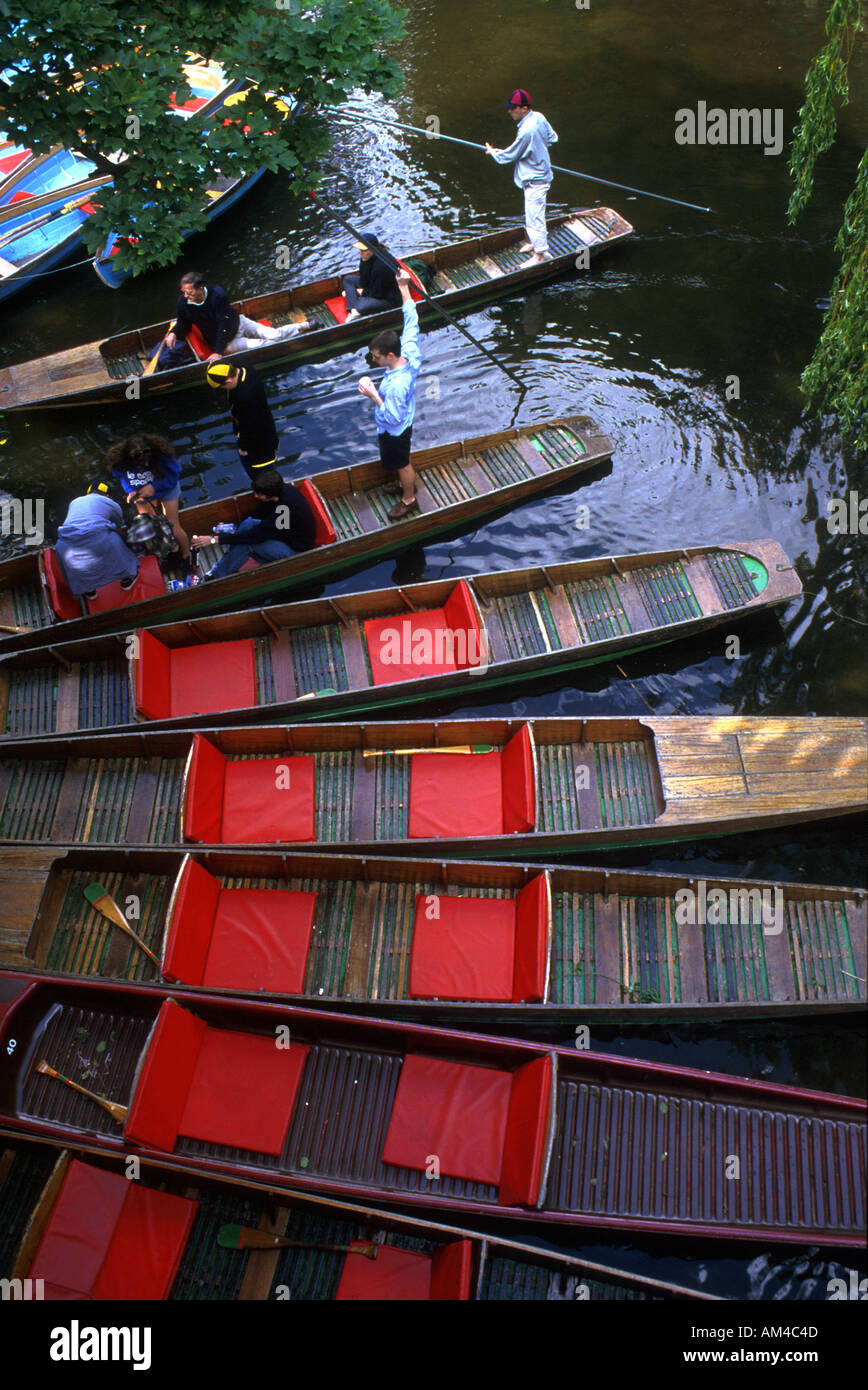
[836, 378]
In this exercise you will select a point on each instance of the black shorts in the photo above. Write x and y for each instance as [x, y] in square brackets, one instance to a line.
[395, 449]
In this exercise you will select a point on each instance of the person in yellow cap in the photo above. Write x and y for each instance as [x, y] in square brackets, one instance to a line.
[375, 288]
[252, 420]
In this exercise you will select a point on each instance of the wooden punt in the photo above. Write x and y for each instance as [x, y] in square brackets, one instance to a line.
[417, 1116]
[474, 271]
[458, 484]
[414, 938]
[415, 1260]
[546, 785]
[392, 646]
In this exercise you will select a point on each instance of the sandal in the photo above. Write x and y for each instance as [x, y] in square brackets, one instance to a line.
[402, 509]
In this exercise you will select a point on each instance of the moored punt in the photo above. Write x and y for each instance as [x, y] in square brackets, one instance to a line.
[436, 940]
[489, 787]
[419, 1116]
[475, 271]
[458, 484]
[392, 646]
[183, 1250]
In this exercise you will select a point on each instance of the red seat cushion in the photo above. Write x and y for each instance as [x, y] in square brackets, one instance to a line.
[325, 533]
[10, 162]
[249, 564]
[453, 1111]
[165, 1077]
[61, 599]
[412, 645]
[455, 794]
[152, 677]
[532, 919]
[453, 1271]
[526, 1133]
[149, 584]
[243, 1091]
[109, 1238]
[394, 1276]
[212, 677]
[267, 800]
[204, 783]
[191, 923]
[467, 952]
[519, 783]
[338, 306]
[260, 940]
[415, 287]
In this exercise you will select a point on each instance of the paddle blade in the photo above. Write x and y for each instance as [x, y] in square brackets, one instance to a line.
[103, 901]
[230, 1237]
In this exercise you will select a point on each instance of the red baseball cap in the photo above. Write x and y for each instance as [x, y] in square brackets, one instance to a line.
[518, 98]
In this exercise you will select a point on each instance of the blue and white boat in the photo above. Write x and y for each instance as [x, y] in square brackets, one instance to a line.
[42, 237]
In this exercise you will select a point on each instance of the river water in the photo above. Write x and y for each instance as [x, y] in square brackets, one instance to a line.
[648, 342]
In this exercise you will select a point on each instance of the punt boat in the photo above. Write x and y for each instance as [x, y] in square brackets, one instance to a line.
[393, 646]
[415, 1116]
[82, 1228]
[475, 271]
[435, 940]
[472, 787]
[459, 483]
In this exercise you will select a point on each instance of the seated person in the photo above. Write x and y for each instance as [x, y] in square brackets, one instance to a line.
[90, 547]
[375, 288]
[220, 326]
[281, 523]
[149, 472]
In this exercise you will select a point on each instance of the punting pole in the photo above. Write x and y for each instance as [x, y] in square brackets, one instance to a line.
[383, 255]
[470, 145]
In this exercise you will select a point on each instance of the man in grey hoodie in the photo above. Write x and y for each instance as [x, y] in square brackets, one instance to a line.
[529, 152]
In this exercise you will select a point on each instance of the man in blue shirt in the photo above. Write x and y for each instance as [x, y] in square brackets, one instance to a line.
[529, 152]
[395, 402]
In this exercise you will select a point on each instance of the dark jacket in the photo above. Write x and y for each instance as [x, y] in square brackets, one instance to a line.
[252, 420]
[216, 319]
[378, 281]
[289, 519]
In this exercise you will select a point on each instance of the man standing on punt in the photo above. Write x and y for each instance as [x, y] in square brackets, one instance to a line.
[529, 152]
[395, 402]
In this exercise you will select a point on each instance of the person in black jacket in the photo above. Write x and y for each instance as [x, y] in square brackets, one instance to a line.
[252, 420]
[282, 523]
[221, 328]
[375, 288]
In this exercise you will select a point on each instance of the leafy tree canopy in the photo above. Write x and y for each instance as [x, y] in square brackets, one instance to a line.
[75, 71]
[836, 378]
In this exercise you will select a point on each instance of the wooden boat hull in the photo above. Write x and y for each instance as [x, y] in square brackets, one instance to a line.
[484, 269]
[323, 658]
[616, 946]
[458, 484]
[570, 783]
[32, 1178]
[48, 245]
[347, 1110]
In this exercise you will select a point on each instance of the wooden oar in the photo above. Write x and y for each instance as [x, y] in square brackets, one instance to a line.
[399, 752]
[152, 365]
[20, 232]
[41, 200]
[106, 905]
[246, 1238]
[10, 627]
[117, 1112]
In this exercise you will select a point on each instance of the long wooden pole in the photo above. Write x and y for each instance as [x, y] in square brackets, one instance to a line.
[41, 200]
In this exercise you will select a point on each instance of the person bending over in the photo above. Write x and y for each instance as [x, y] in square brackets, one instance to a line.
[281, 524]
[148, 471]
[90, 547]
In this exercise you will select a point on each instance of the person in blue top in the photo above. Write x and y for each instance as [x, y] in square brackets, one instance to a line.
[529, 152]
[149, 473]
[90, 547]
[395, 401]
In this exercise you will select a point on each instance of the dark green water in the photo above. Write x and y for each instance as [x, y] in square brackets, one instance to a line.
[645, 343]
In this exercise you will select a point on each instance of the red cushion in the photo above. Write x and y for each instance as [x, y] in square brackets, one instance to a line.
[19, 196]
[453, 1271]
[455, 794]
[415, 290]
[453, 1111]
[249, 564]
[461, 616]
[243, 1091]
[526, 1134]
[260, 940]
[191, 923]
[110, 1238]
[338, 306]
[193, 687]
[10, 162]
[149, 584]
[199, 343]
[256, 810]
[411, 645]
[532, 916]
[61, 599]
[519, 783]
[324, 533]
[152, 679]
[467, 952]
[165, 1077]
[204, 789]
[394, 1276]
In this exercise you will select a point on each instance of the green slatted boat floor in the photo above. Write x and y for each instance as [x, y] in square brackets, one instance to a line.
[619, 777]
